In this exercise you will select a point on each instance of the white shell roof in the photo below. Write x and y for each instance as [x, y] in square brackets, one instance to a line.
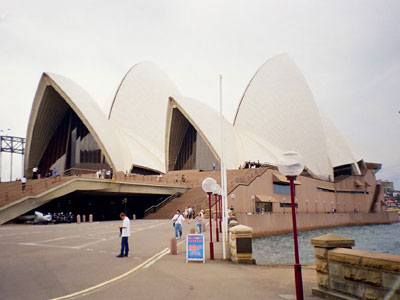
[207, 122]
[139, 113]
[338, 147]
[277, 113]
[87, 110]
[278, 108]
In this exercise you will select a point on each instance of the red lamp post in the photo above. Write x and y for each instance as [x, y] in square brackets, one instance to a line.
[207, 187]
[291, 166]
[220, 213]
[216, 218]
[216, 190]
[210, 218]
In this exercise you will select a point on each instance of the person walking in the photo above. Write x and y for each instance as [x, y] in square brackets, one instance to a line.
[34, 171]
[198, 220]
[125, 233]
[177, 219]
[23, 182]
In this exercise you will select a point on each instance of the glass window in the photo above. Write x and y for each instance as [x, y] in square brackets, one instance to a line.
[281, 188]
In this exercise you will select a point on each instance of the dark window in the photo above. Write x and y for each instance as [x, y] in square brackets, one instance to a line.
[281, 188]
[72, 147]
[263, 207]
[187, 149]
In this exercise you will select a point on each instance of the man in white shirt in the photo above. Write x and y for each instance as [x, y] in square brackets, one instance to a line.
[125, 233]
[23, 182]
[177, 219]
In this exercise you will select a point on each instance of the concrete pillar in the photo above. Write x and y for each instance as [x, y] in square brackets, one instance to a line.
[78, 219]
[173, 250]
[322, 245]
[90, 218]
[241, 244]
[83, 218]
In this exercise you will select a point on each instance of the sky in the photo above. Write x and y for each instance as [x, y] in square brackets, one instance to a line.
[348, 51]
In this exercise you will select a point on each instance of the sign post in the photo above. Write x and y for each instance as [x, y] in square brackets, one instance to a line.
[195, 247]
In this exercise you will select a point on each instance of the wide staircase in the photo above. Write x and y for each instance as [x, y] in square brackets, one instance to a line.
[196, 197]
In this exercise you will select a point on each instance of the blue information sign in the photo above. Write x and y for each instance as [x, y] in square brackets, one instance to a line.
[195, 247]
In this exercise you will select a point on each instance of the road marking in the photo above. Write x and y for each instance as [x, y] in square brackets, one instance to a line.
[48, 246]
[156, 259]
[113, 279]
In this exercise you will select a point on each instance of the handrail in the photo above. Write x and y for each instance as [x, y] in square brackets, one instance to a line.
[154, 208]
[255, 177]
[77, 171]
[32, 187]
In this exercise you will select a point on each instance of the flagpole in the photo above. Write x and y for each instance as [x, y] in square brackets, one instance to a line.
[223, 175]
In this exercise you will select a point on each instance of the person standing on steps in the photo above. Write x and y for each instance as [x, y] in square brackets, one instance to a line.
[125, 234]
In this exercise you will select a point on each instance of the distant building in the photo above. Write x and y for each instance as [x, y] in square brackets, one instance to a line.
[388, 186]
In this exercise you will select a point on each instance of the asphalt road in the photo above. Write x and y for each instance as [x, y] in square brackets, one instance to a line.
[77, 261]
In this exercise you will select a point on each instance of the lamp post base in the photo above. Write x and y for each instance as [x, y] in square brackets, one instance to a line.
[298, 281]
[211, 250]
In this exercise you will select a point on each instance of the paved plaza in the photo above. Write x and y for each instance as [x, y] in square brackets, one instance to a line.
[77, 261]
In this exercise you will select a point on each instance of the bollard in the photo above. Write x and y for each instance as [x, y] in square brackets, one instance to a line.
[78, 219]
[173, 250]
[83, 218]
[134, 217]
[192, 230]
[90, 218]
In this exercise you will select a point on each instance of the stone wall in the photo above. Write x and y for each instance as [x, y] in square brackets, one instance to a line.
[343, 272]
[270, 224]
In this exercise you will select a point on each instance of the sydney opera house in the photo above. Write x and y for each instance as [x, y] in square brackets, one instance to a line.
[151, 128]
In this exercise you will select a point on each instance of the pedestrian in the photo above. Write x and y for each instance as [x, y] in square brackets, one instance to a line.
[54, 174]
[176, 178]
[125, 234]
[177, 223]
[23, 182]
[190, 209]
[183, 178]
[34, 171]
[214, 166]
[111, 173]
[98, 174]
[198, 220]
[186, 213]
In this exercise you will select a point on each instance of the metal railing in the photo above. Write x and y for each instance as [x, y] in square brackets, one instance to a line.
[154, 208]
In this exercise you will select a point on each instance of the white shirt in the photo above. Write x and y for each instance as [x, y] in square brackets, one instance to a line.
[23, 180]
[178, 219]
[126, 230]
[34, 170]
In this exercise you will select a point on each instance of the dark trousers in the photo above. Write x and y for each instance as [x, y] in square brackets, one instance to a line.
[124, 245]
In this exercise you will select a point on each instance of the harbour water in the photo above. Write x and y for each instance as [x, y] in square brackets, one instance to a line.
[384, 238]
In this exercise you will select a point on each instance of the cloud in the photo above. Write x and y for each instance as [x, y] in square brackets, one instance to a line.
[348, 52]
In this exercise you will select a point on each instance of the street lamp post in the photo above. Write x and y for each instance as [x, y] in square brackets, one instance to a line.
[316, 206]
[291, 166]
[124, 201]
[207, 187]
[324, 206]
[216, 190]
[220, 211]
[306, 206]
